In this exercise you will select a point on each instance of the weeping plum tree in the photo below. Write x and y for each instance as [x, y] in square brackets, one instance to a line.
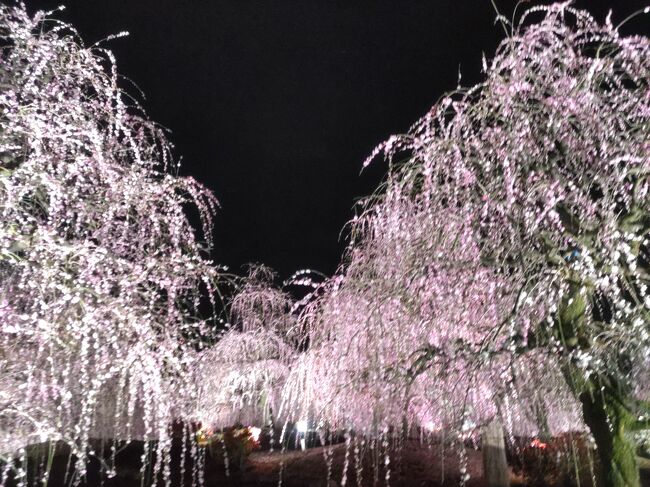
[240, 378]
[101, 270]
[548, 158]
[502, 270]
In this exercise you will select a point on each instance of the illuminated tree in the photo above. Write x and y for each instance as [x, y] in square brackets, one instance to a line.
[240, 378]
[508, 248]
[101, 272]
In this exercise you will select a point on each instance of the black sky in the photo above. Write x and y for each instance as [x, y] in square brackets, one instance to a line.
[274, 104]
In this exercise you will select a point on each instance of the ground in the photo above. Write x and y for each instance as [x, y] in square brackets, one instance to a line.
[415, 465]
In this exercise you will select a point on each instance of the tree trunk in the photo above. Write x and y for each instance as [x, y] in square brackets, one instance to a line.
[607, 419]
[603, 400]
[495, 465]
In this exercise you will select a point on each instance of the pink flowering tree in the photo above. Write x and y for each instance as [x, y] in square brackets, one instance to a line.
[101, 271]
[507, 251]
[240, 378]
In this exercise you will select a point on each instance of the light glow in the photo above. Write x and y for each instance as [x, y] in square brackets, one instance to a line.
[302, 426]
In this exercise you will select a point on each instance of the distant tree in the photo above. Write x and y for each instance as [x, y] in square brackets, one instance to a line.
[503, 268]
[101, 271]
[240, 378]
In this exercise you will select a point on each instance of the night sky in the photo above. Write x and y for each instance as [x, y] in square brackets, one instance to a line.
[274, 104]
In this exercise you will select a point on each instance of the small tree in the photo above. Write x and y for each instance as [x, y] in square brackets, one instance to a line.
[240, 378]
[100, 269]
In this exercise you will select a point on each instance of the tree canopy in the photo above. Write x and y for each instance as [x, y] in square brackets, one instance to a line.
[100, 265]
